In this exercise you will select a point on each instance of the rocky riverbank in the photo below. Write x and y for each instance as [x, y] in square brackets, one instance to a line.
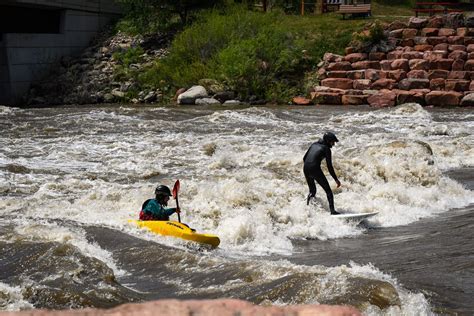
[92, 77]
[221, 307]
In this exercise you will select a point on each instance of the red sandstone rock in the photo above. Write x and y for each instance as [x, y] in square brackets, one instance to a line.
[366, 64]
[441, 47]
[434, 55]
[383, 98]
[470, 48]
[417, 23]
[419, 64]
[322, 74]
[458, 54]
[400, 64]
[469, 65]
[471, 86]
[352, 99]
[470, 55]
[409, 33]
[396, 54]
[384, 84]
[456, 47]
[338, 83]
[340, 65]
[412, 55]
[446, 32]
[219, 307]
[457, 85]
[418, 74]
[420, 40]
[442, 63]
[412, 83]
[407, 42]
[397, 25]
[326, 98]
[458, 65]
[355, 74]
[429, 32]
[468, 41]
[438, 73]
[386, 64]
[463, 75]
[331, 58]
[437, 84]
[361, 84]
[443, 98]
[423, 47]
[435, 40]
[372, 74]
[456, 40]
[410, 96]
[436, 21]
[349, 50]
[337, 74]
[396, 75]
[462, 31]
[377, 56]
[301, 101]
[354, 57]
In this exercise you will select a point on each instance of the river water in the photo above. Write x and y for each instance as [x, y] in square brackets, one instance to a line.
[71, 177]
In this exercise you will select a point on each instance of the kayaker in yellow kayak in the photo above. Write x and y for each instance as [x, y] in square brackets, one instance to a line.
[154, 209]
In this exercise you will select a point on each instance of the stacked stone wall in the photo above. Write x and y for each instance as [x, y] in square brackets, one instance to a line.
[431, 63]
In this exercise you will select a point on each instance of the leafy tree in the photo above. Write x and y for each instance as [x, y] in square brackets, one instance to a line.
[158, 14]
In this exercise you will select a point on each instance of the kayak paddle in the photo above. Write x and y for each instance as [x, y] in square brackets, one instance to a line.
[175, 196]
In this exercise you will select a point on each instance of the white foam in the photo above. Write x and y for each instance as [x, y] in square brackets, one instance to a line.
[249, 189]
[11, 298]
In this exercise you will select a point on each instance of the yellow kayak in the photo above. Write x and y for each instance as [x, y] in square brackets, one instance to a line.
[179, 230]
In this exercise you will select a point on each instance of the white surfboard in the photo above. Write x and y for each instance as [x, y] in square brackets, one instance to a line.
[355, 216]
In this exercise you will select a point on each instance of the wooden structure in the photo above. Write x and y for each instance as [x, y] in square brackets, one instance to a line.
[433, 7]
[363, 9]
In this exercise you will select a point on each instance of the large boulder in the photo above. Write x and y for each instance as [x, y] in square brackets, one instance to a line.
[193, 93]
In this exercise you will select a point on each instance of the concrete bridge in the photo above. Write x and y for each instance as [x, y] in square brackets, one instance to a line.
[35, 34]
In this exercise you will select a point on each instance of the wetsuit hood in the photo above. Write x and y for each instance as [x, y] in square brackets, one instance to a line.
[323, 142]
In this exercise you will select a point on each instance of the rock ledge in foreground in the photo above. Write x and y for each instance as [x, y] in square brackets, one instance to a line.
[220, 307]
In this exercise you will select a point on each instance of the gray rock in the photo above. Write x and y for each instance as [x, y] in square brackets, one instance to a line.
[207, 101]
[224, 96]
[232, 102]
[468, 100]
[150, 97]
[117, 93]
[193, 93]
[109, 98]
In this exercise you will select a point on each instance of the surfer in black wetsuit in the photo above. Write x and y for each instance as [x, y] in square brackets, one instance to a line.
[312, 168]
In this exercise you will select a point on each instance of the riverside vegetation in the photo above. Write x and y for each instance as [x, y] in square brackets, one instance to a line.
[258, 57]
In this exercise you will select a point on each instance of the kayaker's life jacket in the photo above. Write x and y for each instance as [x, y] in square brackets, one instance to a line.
[145, 216]
[154, 211]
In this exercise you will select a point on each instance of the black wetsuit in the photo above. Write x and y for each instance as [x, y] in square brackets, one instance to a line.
[312, 170]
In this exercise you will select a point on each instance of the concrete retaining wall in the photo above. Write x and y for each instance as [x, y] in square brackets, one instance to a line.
[28, 57]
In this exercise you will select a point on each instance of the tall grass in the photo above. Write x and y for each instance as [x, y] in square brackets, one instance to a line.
[252, 53]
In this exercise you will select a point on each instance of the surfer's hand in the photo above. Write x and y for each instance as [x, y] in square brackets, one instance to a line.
[178, 210]
[338, 183]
